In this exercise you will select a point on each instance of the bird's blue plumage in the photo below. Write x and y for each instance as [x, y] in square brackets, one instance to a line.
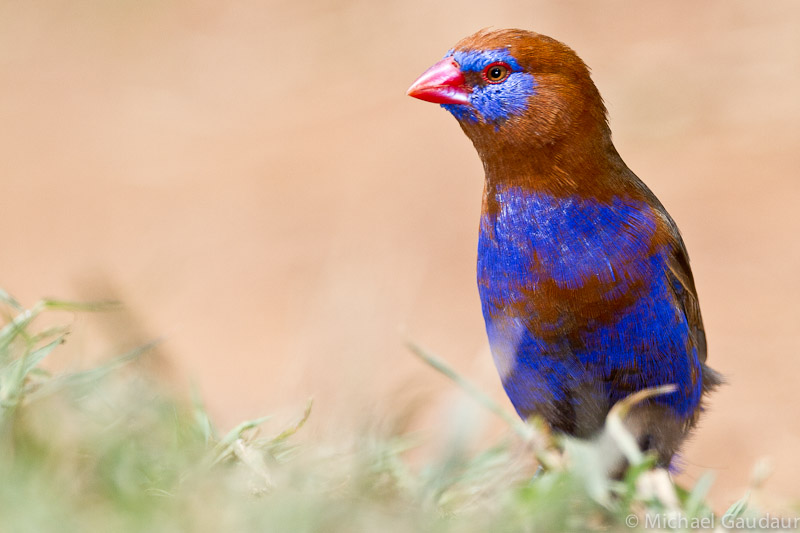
[536, 240]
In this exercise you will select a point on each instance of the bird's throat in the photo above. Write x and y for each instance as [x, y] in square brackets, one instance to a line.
[587, 165]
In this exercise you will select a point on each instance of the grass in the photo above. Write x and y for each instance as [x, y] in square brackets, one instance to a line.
[108, 449]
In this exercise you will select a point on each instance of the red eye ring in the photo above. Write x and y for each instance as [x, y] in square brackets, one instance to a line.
[496, 72]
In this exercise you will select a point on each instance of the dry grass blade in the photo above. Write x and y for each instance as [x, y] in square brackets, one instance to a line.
[615, 426]
[525, 431]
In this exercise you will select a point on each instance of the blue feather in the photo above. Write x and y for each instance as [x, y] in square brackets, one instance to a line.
[536, 238]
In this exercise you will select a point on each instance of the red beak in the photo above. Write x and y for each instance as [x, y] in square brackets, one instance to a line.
[443, 83]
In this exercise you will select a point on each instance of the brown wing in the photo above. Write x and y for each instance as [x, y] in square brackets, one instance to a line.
[686, 293]
[683, 285]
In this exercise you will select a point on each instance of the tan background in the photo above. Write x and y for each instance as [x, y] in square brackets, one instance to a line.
[250, 179]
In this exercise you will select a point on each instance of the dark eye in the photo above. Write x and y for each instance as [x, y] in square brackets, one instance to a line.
[496, 72]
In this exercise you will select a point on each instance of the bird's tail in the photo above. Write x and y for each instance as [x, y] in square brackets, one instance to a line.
[711, 378]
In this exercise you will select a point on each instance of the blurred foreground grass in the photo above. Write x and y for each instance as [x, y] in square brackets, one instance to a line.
[109, 449]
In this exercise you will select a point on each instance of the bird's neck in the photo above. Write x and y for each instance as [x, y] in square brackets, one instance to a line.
[571, 165]
[583, 162]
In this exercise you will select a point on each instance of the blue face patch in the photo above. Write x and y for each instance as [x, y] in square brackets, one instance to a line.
[493, 102]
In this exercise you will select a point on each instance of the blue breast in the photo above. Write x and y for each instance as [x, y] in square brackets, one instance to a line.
[576, 295]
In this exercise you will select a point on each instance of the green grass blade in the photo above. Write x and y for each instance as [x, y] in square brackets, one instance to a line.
[291, 430]
[87, 377]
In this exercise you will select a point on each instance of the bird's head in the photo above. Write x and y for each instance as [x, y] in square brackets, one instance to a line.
[515, 91]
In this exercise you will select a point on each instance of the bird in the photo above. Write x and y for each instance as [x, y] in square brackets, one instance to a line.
[584, 279]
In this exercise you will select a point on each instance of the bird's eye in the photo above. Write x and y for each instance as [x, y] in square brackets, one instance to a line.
[496, 72]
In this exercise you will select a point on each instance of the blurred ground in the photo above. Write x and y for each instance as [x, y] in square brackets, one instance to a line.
[252, 182]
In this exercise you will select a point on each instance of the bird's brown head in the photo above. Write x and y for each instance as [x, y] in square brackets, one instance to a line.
[518, 95]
